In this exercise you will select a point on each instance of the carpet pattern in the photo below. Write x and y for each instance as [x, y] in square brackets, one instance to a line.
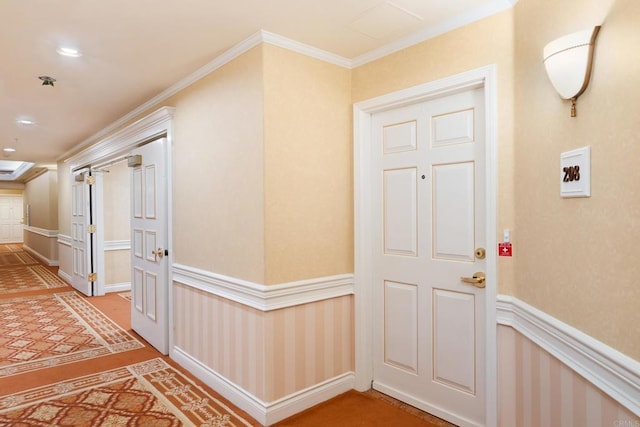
[30, 278]
[9, 259]
[13, 247]
[125, 295]
[150, 393]
[47, 330]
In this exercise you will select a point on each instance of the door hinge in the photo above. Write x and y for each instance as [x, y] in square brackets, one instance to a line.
[90, 180]
[92, 228]
[93, 277]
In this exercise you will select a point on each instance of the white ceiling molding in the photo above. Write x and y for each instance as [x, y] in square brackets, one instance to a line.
[301, 48]
[459, 21]
[305, 49]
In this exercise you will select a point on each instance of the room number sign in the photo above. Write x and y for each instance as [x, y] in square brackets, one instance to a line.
[575, 173]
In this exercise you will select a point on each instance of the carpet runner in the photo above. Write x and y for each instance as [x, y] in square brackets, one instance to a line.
[9, 259]
[150, 393]
[41, 331]
[28, 278]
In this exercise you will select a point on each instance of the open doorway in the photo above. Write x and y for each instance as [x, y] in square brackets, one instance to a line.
[114, 269]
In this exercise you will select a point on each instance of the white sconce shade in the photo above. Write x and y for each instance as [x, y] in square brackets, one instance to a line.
[568, 63]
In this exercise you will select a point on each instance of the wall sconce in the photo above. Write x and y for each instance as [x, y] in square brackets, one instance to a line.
[568, 63]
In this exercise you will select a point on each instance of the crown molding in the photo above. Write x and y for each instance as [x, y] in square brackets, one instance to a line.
[150, 126]
[305, 49]
[467, 18]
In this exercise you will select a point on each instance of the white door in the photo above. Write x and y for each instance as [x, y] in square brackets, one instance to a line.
[149, 225]
[428, 175]
[11, 219]
[82, 240]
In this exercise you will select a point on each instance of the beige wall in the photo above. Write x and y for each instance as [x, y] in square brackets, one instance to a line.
[41, 193]
[116, 200]
[64, 199]
[116, 208]
[489, 41]
[218, 196]
[45, 246]
[577, 258]
[308, 167]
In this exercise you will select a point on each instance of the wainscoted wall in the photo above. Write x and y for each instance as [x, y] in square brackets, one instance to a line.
[536, 389]
[65, 255]
[117, 260]
[267, 356]
[42, 243]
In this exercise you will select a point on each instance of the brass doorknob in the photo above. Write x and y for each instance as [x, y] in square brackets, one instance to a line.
[478, 279]
[159, 252]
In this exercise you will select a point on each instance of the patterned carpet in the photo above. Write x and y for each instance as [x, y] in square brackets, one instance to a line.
[12, 247]
[28, 278]
[150, 393]
[46, 330]
[8, 259]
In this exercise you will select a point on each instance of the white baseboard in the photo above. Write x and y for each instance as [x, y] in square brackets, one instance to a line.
[49, 262]
[304, 399]
[264, 413]
[65, 276]
[118, 287]
[606, 368]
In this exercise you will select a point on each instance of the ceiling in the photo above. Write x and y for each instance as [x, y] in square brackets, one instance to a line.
[134, 50]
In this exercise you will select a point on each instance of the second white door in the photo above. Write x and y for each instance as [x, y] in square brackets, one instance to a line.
[149, 232]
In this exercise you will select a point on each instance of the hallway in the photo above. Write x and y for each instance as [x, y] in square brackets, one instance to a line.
[70, 360]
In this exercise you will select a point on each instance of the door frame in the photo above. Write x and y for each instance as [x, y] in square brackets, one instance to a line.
[158, 124]
[362, 116]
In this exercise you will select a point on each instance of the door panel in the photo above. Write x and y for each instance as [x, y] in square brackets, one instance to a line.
[401, 326]
[400, 219]
[11, 219]
[82, 242]
[149, 228]
[453, 358]
[428, 218]
[454, 211]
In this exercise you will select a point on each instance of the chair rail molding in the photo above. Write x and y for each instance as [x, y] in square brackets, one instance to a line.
[264, 297]
[606, 368]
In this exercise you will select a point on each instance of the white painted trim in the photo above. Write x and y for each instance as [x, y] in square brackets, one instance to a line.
[49, 262]
[362, 113]
[117, 245]
[41, 231]
[152, 126]
[305, 49]
[155, 125]
[264, 297]
[65, 240]
[234, 393]
[458, 21]
[304, 399]
[264, 413]
[65, 276]
[118, 287]
[606, 368]
[228, 56]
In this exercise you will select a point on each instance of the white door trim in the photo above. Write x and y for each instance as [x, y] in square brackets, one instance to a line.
[153, 126]
[362, 113]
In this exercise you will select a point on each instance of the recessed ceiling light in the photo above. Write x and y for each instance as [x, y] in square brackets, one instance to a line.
[9, 150]
[25, 122]
[69, 51]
